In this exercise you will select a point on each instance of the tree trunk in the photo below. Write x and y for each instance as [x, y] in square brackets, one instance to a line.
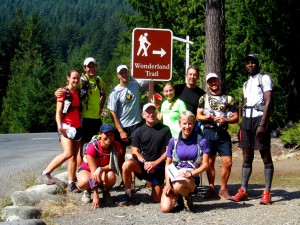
[215, 38]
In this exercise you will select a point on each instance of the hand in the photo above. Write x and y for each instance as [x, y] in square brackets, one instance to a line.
[149, 167]
[96, 174]
[260, 131]
[59, 92]
[63, 132]
[168, 190]
[124, 136]
[96, 201]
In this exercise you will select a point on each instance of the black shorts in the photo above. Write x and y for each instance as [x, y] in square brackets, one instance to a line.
[247, 135]
[90, 127]
[156, 178]
[218, 140]
[130, 132]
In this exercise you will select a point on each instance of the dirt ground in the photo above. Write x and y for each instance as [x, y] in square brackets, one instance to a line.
[286, 164]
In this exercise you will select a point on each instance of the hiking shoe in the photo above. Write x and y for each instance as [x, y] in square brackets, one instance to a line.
[125, 200]
[240, 196]
[73, 188]
[120, 186]
[133, 187]
[47, 179]
[86, 197]
[223, 194]
[265, 198]
[188, 203]
[211, 194]
[107, 198]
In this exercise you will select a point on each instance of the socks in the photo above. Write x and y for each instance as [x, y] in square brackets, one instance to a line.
[246, 173]
[128, 192]
[269, 171]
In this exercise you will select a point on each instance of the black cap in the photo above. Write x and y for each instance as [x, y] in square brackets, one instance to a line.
[253, 57]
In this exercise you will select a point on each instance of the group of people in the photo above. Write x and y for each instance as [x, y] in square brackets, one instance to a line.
[171, 145]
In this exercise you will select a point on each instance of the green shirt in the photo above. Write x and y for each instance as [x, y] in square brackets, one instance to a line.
[170, 116]
[91, 103]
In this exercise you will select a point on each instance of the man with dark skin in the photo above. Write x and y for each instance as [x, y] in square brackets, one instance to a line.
[254, 133]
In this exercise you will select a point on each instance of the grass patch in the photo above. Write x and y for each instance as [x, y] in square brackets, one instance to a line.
[53, 209]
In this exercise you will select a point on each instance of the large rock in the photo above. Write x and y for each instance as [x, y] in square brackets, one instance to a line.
[12, 213]
[35, 194]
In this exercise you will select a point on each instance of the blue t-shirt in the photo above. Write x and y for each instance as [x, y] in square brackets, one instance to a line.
[125, 101]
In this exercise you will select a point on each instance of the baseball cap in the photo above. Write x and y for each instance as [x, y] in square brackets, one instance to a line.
[146, 106]
[211, 75]
[106, 127]
[251, 57]
[88, 60]
[119, 68]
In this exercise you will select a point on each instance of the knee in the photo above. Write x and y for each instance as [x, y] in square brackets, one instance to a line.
[111, 177]
[127, 165]
[164, 208]
[227, 164]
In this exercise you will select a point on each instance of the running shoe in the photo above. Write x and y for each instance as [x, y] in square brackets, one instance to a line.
[188, 203]
[211, 194]
[73, 188]
[125, 200]
[86, 197]
[107, 198]
[240, 196]
[47, 179]
[224, 194]
[265, 198]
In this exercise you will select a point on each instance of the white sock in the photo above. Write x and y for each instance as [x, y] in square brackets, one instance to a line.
[128, 192]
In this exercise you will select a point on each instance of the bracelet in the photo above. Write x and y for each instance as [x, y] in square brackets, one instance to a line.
[261, 125]
[144, 160]
[100, 168]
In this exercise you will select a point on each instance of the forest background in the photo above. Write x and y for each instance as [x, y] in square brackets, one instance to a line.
[42, 40]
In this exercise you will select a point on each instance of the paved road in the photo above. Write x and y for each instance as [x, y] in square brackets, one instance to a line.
[23, 156]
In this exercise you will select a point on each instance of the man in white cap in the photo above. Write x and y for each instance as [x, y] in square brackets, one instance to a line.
[215, 111]
[125, 109]
[149, 145]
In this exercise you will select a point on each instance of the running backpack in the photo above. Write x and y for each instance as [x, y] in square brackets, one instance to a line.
[94, 141]
[260, 106]
[193, 163]
[85, 88]
[67, 104]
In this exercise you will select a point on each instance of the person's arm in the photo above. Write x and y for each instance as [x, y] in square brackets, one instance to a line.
[204, 118]
[102, 101]
[168, 188]
[59, 92]
[95, 175]
[261, 129]
[150, 165]
[203, 167]
[136, 154]
[118, 126]
[58, 118]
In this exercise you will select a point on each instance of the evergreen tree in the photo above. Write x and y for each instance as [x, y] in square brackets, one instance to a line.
[27, 107]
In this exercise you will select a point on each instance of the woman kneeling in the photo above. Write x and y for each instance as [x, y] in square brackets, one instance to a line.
[189, 153]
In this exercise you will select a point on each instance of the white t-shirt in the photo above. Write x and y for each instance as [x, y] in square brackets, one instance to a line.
[253, 93]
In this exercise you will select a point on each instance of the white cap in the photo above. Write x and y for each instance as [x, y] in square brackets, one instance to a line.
[146, 106]
[211, 75]
[88, 60]
[119, 68]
